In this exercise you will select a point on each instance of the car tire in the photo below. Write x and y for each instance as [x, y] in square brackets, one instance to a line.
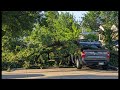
[78, 64]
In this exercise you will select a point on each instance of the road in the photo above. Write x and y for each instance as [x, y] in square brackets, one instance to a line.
[60, 73]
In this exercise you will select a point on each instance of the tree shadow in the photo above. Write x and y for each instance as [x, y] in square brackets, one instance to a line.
[95, 69]
[82, 77]
[21, 76]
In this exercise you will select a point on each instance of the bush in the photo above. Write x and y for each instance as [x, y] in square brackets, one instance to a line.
[9, 65]
[4, 65]
[26, 65]
[114, 59]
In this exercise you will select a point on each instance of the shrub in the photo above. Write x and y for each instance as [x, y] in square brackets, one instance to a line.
[9, 65]
[114, 59]
[26, 64]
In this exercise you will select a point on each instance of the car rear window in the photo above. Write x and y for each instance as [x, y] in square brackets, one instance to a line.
[91, 46]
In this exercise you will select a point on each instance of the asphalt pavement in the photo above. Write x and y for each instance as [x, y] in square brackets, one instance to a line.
[60, 73]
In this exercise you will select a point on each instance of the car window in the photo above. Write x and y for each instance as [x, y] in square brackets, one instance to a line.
[94, 46]
[91, 46]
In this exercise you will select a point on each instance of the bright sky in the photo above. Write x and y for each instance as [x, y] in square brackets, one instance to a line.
[77, 14]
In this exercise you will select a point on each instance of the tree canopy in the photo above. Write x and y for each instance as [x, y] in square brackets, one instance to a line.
[31, 36]
[93, 19]
[18, 22]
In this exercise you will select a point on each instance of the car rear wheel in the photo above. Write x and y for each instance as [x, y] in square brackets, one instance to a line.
[78, 64]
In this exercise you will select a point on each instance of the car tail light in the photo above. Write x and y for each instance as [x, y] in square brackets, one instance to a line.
[108, 55]
[83, 54]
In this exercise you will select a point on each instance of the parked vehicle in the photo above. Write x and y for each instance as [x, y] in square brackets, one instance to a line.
[92, 54]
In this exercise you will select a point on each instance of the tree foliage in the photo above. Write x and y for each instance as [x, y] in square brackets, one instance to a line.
[91, 36]
[32, 37]
[93, 19]
[18, 22]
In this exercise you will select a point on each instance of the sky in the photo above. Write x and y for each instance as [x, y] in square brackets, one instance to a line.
[77, 14]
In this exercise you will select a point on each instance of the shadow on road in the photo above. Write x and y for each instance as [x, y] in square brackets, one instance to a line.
[99, 70]
[75, 69]
[105, 71]
[20, 76]
[82, 77]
